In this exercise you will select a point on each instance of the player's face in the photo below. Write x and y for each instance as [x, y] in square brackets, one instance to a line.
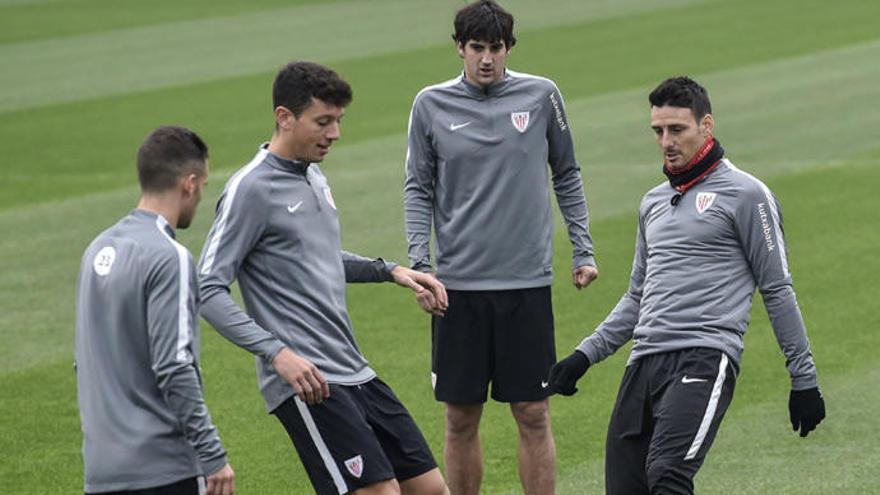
[194, 185]
[310, 136]
[483, 61]
[678, 134]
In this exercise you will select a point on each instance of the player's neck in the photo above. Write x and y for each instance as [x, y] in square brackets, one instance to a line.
[279, 146]
[163, 204]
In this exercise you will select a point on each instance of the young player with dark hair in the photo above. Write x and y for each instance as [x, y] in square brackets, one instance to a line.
[146, 429]
[706, 238]
[277, 233]
[476, 171]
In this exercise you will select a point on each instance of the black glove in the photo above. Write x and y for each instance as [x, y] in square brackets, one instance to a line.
[806, 409]
[565, 374]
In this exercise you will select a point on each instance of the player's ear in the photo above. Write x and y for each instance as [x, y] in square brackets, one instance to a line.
[707, 124]
[283, 117]
[459, 46]
[190, 183]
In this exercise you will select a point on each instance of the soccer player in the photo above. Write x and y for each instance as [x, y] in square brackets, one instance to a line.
[145, 426]
[277, 232]
[705, 239]
[476, 168]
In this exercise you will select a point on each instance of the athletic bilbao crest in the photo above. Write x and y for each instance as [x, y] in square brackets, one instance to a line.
[704, 201]
[520, 120]
[355, 466]
[329, 197]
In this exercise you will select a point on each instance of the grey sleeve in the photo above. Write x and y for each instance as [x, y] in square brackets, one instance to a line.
[567, 181]
[418, 189]
[171, 313]
[361, 269]
[236, 230]
[759, 225]
[618, 326]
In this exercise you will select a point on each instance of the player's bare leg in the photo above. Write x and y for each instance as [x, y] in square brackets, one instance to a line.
[430, 483]
[387, 487]
[462, 452]
[537, 450]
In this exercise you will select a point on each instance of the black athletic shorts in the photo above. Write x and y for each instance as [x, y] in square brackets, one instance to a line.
[504, 337]
[189, 486]
[359, 436]
[668, 411]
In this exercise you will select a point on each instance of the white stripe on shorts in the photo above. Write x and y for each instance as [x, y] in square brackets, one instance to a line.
[710, 409]
[329, 463]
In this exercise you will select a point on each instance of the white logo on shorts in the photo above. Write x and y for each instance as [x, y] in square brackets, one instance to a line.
[355, 466]
[687, 379]
[104, 261]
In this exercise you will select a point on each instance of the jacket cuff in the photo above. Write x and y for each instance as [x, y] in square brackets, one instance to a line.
[580, 260]
[212, 466]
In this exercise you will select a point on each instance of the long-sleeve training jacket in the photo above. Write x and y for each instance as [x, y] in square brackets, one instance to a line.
[476, 167]
[144, 419]
[695, 269]
[276, 231]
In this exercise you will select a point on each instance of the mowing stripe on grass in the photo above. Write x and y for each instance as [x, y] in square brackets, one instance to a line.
[171, 54]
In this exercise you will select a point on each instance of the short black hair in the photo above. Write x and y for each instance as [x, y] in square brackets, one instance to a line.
[684, 92]
[297, 82]
[486, 21]
[167, 154]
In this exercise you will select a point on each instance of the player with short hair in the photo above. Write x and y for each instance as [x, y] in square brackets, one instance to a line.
[706, 238]
[146, 429]
[476, 170]
[277, 233]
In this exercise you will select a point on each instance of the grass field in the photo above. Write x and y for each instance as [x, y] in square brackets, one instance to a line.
[794, 85]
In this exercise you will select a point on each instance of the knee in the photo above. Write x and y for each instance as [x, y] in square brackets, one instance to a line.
[531, 417]
[463, 421]
[387, 487]
[669, 476]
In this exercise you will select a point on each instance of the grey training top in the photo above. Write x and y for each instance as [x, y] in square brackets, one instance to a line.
[694, 273]
[277, 232]
[476, 166]
[144, 419]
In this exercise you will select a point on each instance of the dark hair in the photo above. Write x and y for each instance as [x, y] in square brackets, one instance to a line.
[297, 82]
[484, 21]
[166, 155]
[684, 92]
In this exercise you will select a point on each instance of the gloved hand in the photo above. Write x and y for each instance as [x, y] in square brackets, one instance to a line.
[565, 374]
[806, 409]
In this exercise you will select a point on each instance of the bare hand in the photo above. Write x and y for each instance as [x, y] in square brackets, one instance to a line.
[222, 482]
[308, 383]
[584, 275]
[430, 293]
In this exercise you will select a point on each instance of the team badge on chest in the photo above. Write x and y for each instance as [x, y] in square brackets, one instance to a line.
[704, 201]
[329, 197]
[355, 466]
[520, 120]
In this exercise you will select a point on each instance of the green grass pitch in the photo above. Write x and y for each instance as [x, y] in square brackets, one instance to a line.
[794, 85]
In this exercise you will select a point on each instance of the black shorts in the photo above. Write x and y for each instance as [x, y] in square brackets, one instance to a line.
[189, 486]
[504, 337]
[668, 411]
[359, 436]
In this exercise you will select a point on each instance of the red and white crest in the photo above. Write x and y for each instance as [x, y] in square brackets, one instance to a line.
[520, 120]
[329, 196]
[355, 466]
[704, 201]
